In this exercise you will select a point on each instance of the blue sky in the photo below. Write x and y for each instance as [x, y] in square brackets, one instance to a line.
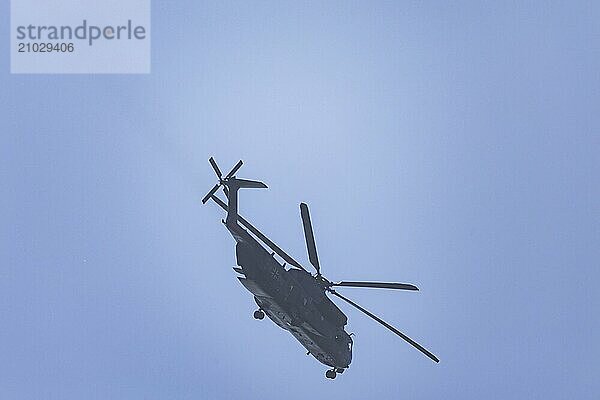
[454, 146]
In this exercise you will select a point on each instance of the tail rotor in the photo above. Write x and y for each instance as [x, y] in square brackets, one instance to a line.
[222, 181]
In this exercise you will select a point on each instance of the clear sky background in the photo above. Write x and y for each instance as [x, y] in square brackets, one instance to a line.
[454, 146]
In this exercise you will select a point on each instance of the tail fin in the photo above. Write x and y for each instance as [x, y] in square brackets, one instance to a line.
[230, 185]
[233, 185]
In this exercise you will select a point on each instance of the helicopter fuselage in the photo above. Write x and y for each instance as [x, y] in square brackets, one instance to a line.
[294, 300]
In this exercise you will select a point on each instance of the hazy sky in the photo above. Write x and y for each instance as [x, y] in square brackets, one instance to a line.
[453, 146]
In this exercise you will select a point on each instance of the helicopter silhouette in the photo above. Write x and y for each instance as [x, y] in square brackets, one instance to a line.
[287, 293]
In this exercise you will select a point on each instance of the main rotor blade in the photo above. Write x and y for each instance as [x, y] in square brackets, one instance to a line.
[311, 247]
[380, 285]
[209, 194]
[390, 327]
[234, 169]
[261, 236]
[215, 167]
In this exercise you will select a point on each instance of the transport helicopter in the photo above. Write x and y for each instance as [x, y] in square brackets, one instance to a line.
[286, 292]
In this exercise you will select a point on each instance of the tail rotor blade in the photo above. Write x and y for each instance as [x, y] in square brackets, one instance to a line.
[209, 194]
[311, 247]
[222, 180]
[234, 169]
[390, 327]
[379, 285]
[215, 167]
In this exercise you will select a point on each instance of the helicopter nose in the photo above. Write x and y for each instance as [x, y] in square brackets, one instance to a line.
[344, 358]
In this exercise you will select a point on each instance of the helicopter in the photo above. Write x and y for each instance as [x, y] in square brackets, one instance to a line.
[292, 297]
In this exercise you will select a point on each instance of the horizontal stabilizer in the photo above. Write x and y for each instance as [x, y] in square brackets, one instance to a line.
[246, 183]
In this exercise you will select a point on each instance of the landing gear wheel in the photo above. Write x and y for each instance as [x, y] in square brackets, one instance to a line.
[258, 314]
[330, 373]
